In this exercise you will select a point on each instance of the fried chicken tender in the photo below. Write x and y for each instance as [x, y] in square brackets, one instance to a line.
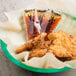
[31, 43]
[60, 38]
[59, 51]
[72, 51]
[72, 39]
[64, 46]
[44, 45]
[40, 49]
[24, 47]
[37, 53]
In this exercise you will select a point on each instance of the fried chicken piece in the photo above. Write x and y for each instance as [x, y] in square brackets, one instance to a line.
[61, 37]
[40, 49]
[44, 45]
[72, 39]
[73, 58]
[72, 51]
[63, 46]
[53, 36]
[57, 42]
[47, 44]
[59, 51]
[31, 43]
[37, 53]
[24, 47]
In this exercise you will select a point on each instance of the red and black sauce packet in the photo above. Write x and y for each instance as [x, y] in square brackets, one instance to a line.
[47, 19]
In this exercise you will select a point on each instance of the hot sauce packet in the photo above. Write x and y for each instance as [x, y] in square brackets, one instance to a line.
[38, 21]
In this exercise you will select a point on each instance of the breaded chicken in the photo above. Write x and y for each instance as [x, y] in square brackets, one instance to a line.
[72, 39]
[61, 37]
[59, 51]
[37, 53]
[63, 46]
[31, 43]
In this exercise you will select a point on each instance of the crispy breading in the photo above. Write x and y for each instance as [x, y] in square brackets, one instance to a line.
[31, 43]
[72, 39]
[73, 58]
[59, 51]
[56, 35]
[44, 45]
[61, 37]
[37, 53]
[72, 50]
[40, 49]
[24, 47]
[56, 42]
[63, 46]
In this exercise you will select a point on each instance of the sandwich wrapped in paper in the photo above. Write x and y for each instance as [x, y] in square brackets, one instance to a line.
[47, 45]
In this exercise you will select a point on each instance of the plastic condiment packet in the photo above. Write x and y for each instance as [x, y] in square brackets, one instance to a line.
[39, 21]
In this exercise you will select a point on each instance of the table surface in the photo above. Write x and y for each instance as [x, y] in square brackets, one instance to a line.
[7, 68]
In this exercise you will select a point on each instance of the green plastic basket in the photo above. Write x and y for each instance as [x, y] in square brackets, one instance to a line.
[18, 63]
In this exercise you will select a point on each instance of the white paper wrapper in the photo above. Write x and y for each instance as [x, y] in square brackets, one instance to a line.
[15, 17]
[21, 56]
[12, 38]
[72, 63]
[47, 61]
[10, 26]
